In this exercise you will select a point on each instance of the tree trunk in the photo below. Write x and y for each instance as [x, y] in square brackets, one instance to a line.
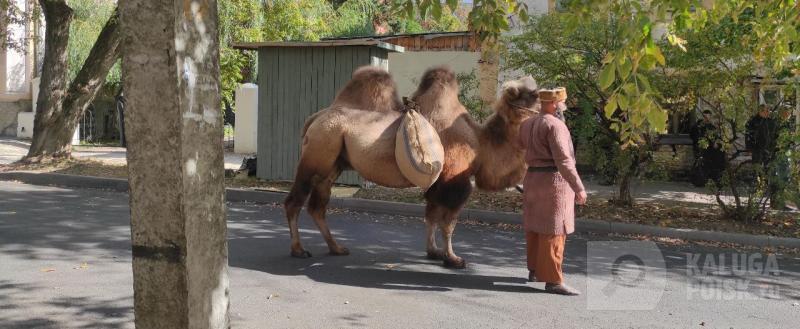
[59, 109]
[625, 197]
[47, 126]
[628, 172]
[175, 164]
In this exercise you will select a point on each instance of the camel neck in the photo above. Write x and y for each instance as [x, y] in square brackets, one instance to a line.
[500, 130]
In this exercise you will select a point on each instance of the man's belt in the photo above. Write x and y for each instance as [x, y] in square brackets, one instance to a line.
[543, 169]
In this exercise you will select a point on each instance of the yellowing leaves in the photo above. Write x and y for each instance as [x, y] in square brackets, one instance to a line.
[607, 76]
[657, 118]
[624, 68]
[610, 107]
[677, 41]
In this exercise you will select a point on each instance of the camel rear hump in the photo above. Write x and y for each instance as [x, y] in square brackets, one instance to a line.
[372, 89]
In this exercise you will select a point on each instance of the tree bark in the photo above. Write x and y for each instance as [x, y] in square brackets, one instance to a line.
[629, 171]
[175, 163]
[58, 17]
[59, 108]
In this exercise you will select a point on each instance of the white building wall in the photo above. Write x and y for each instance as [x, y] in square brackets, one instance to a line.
[17, 64]
[407, 68]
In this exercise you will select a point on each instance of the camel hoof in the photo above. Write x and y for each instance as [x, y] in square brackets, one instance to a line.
[342, 251]
[301, 254]
[435, 255]
[458, 263]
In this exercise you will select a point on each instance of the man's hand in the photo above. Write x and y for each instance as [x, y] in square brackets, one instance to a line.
[580, 198]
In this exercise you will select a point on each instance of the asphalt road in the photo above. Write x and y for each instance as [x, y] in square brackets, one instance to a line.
[65, 263]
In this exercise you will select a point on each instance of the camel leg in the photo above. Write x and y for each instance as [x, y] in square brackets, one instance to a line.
[292, 205]
[448, 226]
[432, 216]
[317, 205]
[445, 200]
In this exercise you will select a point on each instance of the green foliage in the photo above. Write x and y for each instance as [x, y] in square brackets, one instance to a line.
[301, 20]
[597, 148]
[713, 71]
[774, 32]
[488, 18]
[239, 21]
[468, 95]
[358, 18]
[89, 18]
[355, 18]
[557, 55]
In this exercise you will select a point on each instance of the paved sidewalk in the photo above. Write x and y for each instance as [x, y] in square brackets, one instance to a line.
[14, 149]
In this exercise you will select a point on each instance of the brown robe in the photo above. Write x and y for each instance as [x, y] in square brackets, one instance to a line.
[549, 197]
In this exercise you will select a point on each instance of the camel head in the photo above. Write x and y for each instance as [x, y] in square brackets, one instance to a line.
[502, 157]
[518, 99]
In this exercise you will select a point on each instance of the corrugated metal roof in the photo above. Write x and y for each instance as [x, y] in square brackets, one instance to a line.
[324, 43]
[426, 35]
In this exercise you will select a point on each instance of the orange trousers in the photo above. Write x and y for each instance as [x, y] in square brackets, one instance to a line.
[545, 255]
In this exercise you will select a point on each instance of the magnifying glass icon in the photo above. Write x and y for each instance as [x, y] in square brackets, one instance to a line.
[621, 275]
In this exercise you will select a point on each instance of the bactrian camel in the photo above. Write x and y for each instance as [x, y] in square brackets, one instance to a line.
[358, 132]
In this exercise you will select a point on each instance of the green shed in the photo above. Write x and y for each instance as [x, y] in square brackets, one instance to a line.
[295, 80]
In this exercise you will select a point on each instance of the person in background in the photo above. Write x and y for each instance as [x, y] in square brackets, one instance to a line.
[551, 189]
[781, 174]
[709, 155]
[761, 139]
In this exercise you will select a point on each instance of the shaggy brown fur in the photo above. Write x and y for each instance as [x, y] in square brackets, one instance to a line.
[488, 152]
[358, 130]
[371, 88]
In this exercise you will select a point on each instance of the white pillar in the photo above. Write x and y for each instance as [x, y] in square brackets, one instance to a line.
[246, 130]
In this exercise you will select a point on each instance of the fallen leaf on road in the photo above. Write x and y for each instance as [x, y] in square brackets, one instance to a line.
[82, 267]
[47, 270]
[271, 296]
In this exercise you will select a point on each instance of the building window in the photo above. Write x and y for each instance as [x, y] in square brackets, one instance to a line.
[16, 52]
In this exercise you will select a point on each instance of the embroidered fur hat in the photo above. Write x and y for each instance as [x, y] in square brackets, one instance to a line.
[553, 95]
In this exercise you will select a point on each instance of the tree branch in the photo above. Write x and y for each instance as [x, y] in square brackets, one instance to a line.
[92, 76]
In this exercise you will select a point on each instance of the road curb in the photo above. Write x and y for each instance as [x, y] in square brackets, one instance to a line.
[416, 210]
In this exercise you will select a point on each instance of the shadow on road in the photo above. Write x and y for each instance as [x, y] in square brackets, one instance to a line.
[386, 253]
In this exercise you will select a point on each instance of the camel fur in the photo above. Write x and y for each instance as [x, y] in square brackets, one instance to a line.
[357, 131]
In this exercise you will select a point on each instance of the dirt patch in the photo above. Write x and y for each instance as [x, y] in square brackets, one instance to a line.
[671, 214]
[72, 167]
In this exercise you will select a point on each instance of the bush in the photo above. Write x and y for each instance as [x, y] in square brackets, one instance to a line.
[468, 95]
